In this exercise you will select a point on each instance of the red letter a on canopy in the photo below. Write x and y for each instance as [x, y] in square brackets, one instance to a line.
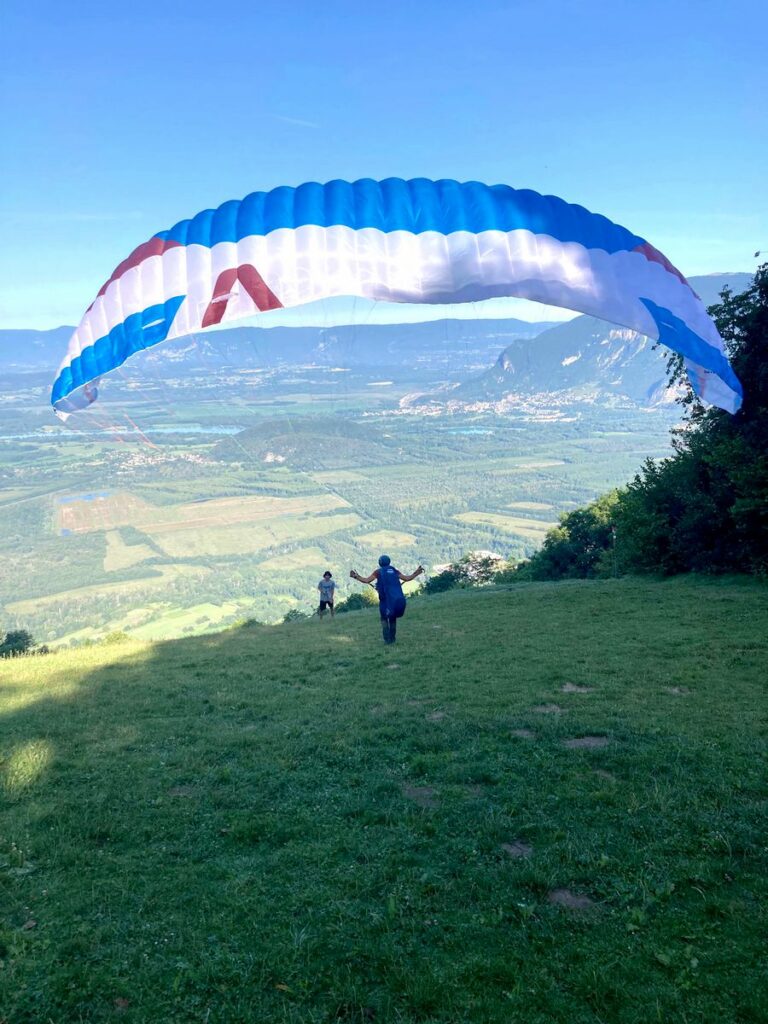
[254, 284]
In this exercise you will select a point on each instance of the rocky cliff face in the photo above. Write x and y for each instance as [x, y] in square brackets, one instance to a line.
[586, 359]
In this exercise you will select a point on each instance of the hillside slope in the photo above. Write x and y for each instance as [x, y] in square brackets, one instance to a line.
[544, 804]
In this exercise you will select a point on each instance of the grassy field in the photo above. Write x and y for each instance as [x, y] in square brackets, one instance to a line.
[531, 528]
[156, 620]
[530, 506]
[162, 575]
[125, 509]
[387, 539]
[211, 541]
[544, 804]
[199, 618]
[121, 555]
[311, 557]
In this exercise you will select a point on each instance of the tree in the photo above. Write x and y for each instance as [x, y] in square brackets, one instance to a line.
[576, 549]
[294, 615]
[18, 641]
[442, 581]
[355, 602]
[472, 570]
[478, 567]
[706, 508]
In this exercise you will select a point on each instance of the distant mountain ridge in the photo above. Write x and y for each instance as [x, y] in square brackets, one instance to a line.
[465, 343]
[33, 350]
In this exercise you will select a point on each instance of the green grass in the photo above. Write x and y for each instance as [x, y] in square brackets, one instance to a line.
[296, 824]
[533, 529]
[387, 539]
[161, 576]
[200, 618]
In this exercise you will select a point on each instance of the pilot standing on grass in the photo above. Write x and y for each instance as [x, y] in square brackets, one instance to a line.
[327, 588]
[391, 597]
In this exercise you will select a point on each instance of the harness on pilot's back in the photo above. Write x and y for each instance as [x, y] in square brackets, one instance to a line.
[391, 596]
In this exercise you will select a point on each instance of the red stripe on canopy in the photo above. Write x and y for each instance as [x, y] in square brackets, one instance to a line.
[154, 247]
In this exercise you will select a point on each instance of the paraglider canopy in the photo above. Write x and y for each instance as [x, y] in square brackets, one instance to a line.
[402, 241]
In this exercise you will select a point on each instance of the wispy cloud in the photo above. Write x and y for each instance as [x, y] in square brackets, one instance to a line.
[294, 120]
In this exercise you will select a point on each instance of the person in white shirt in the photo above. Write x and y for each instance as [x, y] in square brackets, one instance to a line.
[327, 588]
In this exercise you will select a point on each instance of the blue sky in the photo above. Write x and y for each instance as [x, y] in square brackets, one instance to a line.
[118, 123]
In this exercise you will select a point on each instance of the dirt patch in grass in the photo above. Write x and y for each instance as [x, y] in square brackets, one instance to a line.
[548, 709]
[677, 691]
[573, 688]
[424, 796]
[586, 742]
[435, 716]
[393, 666]
[184, 791]
[603, 774]
[524, 734]
[517, 849]
[570, 900]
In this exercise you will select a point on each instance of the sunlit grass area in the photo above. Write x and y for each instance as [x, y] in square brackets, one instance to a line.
[544, 804]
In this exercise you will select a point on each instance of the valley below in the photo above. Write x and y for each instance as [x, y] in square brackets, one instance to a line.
[191, 497]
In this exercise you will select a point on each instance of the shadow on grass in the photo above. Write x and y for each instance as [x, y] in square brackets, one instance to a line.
[164, 817]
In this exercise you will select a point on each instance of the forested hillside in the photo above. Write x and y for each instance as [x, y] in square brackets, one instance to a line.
[704, 509]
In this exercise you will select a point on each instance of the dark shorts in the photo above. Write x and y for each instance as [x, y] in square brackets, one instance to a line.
[325, 604]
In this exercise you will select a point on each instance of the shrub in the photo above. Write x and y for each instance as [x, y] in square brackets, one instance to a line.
[509, 573]
[355, 602]
[17, 641]
[445, 580]
[294, 615]
[117, 636]
[474, 569]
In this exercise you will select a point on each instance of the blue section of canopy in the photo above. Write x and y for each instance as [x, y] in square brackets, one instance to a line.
[678, 337]
[396, 205]
[136, 332]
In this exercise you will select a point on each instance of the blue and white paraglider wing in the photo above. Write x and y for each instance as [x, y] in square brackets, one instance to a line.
[400, 241]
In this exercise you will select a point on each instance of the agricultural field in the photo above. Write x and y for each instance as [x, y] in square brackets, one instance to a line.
[384, 539]
[529, 528]
[301, 558]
